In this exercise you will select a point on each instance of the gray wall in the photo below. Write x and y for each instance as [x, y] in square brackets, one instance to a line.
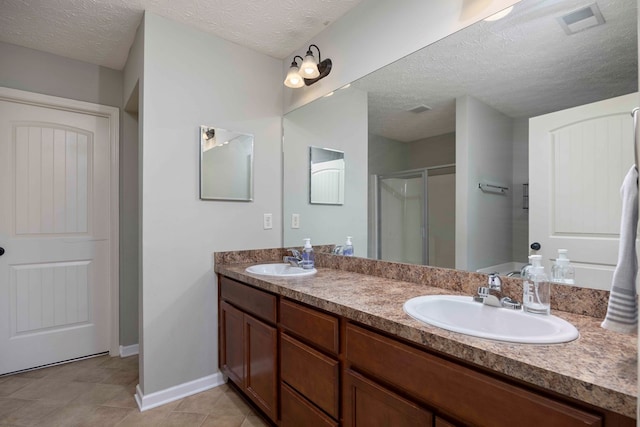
[343, 127]
[41, 72]
[45, 73]
[483, 154]
[387, 155]
[520, 176]
[191, 78]
[133, 88]
[433, 151]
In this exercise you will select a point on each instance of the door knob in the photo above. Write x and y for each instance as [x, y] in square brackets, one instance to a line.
[1, 251]
[535, 246]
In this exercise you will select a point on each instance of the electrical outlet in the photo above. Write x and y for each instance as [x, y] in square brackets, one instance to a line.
[267, 221]
[295, 220]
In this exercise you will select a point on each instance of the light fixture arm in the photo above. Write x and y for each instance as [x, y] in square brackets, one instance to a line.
[294, 63]
[319, 55]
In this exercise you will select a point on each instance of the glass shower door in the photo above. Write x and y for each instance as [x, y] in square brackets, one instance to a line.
[402, 217]
[416, 216]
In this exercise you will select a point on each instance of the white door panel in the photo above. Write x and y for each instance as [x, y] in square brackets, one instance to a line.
[577, 161]
[55, 227]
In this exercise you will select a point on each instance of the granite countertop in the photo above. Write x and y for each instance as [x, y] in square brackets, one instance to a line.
[599, 368]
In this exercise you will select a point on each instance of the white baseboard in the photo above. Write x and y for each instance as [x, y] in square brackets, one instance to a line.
[179, 391]
[129, 350]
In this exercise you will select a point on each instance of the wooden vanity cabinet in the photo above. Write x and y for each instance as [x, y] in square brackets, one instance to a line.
[249, 343]
[305, 367]
[460, 392]
[309, 366]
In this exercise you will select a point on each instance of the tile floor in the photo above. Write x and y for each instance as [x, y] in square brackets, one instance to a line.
[99, 392]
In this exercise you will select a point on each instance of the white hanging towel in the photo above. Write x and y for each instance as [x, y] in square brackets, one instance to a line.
[622, 312]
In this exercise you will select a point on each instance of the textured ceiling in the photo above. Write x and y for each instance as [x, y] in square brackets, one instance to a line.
[523, 65]
[101, 31]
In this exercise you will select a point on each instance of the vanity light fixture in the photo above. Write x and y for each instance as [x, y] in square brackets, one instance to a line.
[310, 70]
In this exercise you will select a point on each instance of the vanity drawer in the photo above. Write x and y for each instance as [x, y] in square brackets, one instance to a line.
[311, 373]
[438, 383]
[297, 411]
[259, 303]
[318, 328]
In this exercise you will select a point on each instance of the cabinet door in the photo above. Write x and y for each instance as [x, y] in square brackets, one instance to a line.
[367, 404]
[261, 346]
[440, 422]
[232, 343]
[296, 411]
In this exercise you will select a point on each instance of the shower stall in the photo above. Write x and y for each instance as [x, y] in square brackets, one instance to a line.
[415, 214]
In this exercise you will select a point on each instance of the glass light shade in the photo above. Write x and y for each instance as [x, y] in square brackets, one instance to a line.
[309, 67]
[293, 80]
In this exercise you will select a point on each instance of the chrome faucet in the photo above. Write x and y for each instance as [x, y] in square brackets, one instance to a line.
[295, 259]
[337, 250]
[492, 294]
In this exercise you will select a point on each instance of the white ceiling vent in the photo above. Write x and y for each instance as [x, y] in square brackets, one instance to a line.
[581, 19]
[419, 109]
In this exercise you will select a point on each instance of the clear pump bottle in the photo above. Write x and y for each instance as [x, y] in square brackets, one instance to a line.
[537, 289]
[348, 247]
[308, 256]
[562, 271]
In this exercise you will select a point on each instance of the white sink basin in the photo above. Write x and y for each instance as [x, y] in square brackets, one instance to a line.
[462, 314]
[280, 270]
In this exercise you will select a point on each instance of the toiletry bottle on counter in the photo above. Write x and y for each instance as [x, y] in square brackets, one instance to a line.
[537, 289]
[308, 257]
[562, 271]
[347, 250]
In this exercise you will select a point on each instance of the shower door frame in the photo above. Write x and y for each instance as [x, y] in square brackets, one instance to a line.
[413, 173]
[410, 173]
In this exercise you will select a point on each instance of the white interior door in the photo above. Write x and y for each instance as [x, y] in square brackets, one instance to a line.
[55, 274]
[577, 161]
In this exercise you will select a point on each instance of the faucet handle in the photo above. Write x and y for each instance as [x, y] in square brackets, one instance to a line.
[494, 281]
[507, 302]
[483, 292]
[294, 252]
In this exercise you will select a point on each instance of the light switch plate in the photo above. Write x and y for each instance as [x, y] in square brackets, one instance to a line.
[267, 221]
[295, 220]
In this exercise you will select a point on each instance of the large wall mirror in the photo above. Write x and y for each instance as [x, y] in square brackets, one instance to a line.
[226, 165]
[537, 103]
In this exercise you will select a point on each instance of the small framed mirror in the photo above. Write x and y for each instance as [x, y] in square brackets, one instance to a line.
[226, 165]
[326, 176]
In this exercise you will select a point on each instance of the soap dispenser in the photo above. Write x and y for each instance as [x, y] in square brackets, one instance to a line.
[348, 247]
[562, 271]
[308, 256]
[537, 289]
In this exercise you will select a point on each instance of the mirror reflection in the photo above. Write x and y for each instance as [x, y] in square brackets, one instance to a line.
[226, 164]
[326, 176]
[467, 101]
[416, 216]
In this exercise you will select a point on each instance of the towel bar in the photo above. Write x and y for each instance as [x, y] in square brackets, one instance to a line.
[490, 188]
